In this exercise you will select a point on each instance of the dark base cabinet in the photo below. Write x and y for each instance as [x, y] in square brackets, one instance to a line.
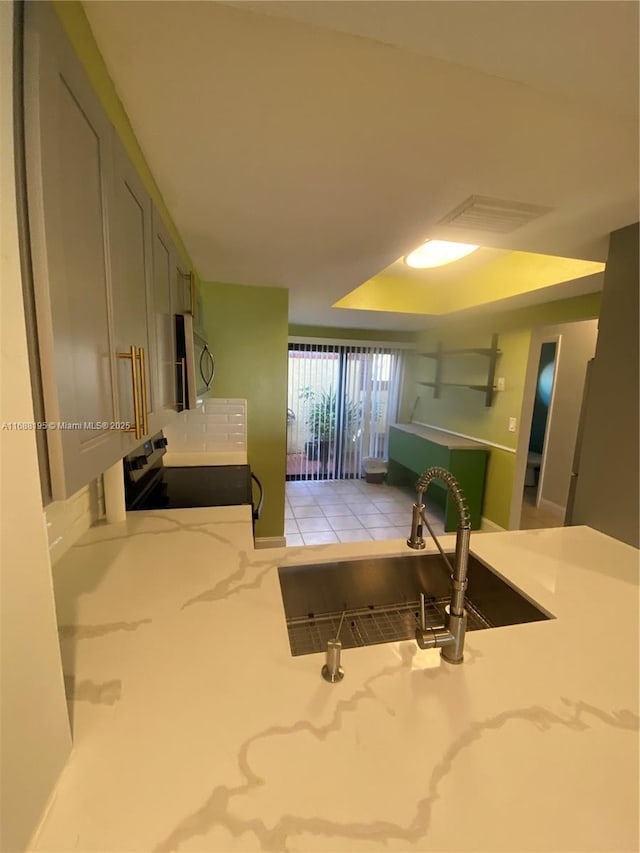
[414, 448]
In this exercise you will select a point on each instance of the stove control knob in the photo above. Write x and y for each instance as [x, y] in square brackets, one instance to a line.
[138, 463]
[159, 443]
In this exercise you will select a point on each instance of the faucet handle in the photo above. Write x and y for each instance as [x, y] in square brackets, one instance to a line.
[423, 617]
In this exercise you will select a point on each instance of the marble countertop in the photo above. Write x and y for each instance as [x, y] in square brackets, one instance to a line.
[438, 436]
[195, 729]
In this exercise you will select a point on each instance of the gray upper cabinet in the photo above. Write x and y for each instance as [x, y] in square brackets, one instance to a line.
[164, 296]
[143, 277]
[68, 144]
[189, 290]
[183, 288]
[106, 273]
[132, 301]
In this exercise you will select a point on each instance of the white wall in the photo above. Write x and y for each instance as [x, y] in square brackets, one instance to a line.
[576, 345]
[34, 736]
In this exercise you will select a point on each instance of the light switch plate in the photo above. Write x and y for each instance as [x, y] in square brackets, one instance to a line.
[500, 383]
[512, 424]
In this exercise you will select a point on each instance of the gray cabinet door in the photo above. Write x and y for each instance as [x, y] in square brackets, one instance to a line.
[69, 164]
[183, 284]
[164, 274]
[182, 287]
[188, 289]
[131, 297]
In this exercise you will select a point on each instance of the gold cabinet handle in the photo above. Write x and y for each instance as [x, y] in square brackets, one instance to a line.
[143, 391]
[183, 373]
[133, 356]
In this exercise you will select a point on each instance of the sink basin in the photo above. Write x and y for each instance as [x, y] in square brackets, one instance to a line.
[380, 596]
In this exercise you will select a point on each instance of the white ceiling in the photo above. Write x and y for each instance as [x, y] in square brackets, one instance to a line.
[586, 51]
[312, 153]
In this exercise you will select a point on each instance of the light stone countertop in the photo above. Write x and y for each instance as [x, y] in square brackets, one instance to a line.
[442, 437]
[195, 729]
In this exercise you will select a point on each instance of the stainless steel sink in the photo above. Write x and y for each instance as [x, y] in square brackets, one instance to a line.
[380, 596]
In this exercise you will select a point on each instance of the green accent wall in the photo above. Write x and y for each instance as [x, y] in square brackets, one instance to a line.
[572, 310]
[462, 410]
[498, 486]
[465, 407]
[248, 331]
[78, 29]
[411, 454]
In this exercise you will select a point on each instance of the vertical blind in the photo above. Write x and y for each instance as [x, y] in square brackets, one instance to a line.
[341, 402]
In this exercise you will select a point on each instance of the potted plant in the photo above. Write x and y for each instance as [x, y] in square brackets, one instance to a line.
[322, 420]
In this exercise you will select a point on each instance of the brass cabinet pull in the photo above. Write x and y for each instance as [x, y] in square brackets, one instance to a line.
[183, 372]
[133, 356]
[143, 392]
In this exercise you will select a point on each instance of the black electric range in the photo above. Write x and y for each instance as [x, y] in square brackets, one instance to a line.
[151, 485]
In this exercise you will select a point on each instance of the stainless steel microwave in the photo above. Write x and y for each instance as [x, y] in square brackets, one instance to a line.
[195, 365]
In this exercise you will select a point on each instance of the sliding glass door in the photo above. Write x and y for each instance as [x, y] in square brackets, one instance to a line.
[341, 402]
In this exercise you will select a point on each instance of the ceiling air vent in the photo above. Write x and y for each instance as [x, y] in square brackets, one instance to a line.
[479, 213]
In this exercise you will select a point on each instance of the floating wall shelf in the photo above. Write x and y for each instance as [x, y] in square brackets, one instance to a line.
[491, 353]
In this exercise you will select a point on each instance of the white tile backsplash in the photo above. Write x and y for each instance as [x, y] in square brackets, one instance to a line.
[218, 446]
[224, 432]
[218, 424]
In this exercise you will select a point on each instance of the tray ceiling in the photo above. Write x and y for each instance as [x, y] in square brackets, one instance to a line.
[293, 153]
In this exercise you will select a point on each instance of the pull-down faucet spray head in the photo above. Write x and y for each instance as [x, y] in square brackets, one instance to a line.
[415, 539]
[451, 639]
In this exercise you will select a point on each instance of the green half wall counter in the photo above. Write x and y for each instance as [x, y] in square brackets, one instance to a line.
[414, 448]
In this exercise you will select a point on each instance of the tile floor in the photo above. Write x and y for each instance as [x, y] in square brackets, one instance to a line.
[321, 513]
[326, 512]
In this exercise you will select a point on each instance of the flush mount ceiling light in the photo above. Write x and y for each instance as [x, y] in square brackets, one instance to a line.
[437, 253]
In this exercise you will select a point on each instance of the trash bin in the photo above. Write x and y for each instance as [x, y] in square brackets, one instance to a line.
[374, 469]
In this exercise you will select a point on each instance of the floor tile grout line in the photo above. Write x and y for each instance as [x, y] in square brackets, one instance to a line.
[388, 509]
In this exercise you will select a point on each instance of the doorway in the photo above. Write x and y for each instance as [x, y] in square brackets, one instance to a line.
[532, 515]
[540, 494]
[341, 400]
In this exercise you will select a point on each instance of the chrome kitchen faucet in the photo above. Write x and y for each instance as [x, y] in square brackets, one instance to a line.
[450, 637]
